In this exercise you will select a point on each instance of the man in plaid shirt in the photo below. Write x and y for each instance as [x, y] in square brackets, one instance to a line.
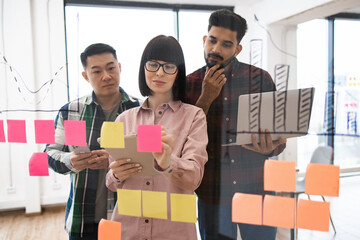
[88, 200]
[216, 88]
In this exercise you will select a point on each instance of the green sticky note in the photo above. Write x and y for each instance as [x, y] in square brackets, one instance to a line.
[154, 204]
[112, 135]
[183, 207]
[129, 202]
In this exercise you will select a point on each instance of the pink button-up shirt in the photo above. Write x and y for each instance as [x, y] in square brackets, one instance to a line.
[187, 125]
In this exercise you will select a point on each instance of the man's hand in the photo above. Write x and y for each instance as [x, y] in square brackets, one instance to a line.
[163, 158]
[212, 84]
[100, 161]
[267, 145]
[123, 170]
[80, 161]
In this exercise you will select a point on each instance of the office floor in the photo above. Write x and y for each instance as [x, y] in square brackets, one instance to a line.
[345, 211]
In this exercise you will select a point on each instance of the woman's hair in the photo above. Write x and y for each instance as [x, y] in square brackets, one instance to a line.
[167, 49]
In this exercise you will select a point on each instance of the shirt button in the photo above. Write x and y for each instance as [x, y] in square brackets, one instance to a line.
[147, 183]
[230, 140]
[160, 112]
[146, 220]
[225, 98]
[232, 160]
[227, 119]
[234, 182]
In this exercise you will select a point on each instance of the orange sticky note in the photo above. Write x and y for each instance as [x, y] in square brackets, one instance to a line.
[16, 131]
[280, 176]
[322, 179]
[109, 230]
[44, 131]
[313, 215]
[247, 208]
[38, 164]
[2, 133]
[149, 138]
[75, 132]
[279, 211]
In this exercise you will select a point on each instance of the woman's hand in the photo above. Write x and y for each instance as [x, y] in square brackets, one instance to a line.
[163, 158]
[123, 169]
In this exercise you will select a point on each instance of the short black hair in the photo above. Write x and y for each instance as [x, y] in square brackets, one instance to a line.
[167, 49]
[95, 49]
[229, 20]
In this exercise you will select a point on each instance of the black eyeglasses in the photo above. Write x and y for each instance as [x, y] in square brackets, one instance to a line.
[168, 68]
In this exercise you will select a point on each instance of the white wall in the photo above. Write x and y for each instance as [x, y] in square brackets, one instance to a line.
[32, 41]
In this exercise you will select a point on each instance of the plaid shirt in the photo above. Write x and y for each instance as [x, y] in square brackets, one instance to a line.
[80, 208]
[230, 169]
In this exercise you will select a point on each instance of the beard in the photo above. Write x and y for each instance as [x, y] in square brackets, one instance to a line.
[211, 63]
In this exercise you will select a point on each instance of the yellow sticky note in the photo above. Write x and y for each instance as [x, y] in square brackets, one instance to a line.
[129, 202]
[154, 204]
[112, 135]
[183, 207]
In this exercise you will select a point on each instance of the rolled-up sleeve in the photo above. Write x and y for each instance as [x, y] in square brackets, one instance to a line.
[186, 171]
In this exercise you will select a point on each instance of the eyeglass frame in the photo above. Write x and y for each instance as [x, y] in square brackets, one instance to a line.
[161, 65]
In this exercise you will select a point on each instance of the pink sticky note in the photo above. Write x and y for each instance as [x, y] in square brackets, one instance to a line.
[16, 131]
[149, 138]
[75, 132]
[279, 211]
[44, 131]
[279, 176]
[38, 164]
[2, 133]
[247, 208]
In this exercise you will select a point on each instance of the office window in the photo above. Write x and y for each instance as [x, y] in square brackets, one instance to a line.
[347, 89]
[312, 71]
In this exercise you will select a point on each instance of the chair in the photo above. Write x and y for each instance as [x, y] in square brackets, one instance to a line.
[323, 155]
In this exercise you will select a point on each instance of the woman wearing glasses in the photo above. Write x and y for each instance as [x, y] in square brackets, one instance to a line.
[184, 139]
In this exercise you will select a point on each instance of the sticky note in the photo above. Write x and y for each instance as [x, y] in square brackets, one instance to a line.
[109, 230]
[154, 204]
[313, 215]
[247, 208]
[280, 176]
[16, 131]
[38, 164]
[322, 179]
[279, 211]
[44, 131]
[75, 132]
[112, 135]
[2, 133]
[149, 138]
[129, 202]
[183, 207]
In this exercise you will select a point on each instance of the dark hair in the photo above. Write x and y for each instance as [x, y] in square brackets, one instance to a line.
[167, 49]
[95, 49]
[229, 20]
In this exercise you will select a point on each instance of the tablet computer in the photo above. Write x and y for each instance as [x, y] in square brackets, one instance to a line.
[285, 113]
[145, 159]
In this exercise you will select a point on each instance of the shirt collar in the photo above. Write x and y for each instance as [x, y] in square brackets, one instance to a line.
[125, 97]
[174, 105]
